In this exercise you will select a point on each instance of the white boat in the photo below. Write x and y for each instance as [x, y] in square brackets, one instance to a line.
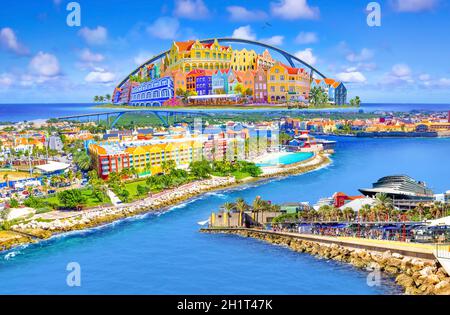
[203, 222]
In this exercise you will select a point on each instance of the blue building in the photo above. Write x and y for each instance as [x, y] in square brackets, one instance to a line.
[337, 93]
[203, 85]
[220, 82]
[153, 93]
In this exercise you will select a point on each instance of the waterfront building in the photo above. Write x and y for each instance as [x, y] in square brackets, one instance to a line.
[203, 85]
[189, 55]
[153, 93]
[260, 86]
[247, 80]
[146, 156]
[125, 95]
[233, 81]
[191, 79]
[219, 81]
[178, 78]
[285, 84]
[243, 60]
[265, 60]
[116, 95]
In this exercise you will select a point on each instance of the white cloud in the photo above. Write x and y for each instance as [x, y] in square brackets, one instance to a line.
[6, 80]
[100, 75]
[401, 70]
[307, 56]
[8, 40]
[364, 55]
[238, 13]
[164, 28]
[87, 55]
[191, 9]
[424, 77]
[414, 5]
[306, 38]
[45, 65]
[351, 77]
[276, 40]
[244, 32]
[294, 9]
[142, 57]
[444, 82]
[95, 36]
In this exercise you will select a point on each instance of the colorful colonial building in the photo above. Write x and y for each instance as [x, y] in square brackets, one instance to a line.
[190, 55]
[243, 60]
[285, 84]
[152, 93]
[260, 86]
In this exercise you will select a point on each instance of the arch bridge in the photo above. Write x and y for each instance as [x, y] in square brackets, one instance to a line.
[288, 56]
[113, 117]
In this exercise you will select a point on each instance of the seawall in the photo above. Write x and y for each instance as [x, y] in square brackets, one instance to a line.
[415, 269]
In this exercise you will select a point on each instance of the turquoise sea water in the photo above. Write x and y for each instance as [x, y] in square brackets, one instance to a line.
[287, 159]
[165, 254]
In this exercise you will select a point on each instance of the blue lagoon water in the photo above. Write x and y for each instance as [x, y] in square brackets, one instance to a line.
[165, 254]
[287, 159]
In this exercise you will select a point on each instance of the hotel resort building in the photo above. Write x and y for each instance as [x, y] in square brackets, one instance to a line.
[146, 152]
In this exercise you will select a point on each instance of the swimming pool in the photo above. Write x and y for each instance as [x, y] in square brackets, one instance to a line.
[289, 158]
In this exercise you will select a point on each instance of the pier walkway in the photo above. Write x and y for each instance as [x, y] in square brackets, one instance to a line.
[424, 251]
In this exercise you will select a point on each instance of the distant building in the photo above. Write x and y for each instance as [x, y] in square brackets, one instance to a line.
[191, 79]
[153, 93]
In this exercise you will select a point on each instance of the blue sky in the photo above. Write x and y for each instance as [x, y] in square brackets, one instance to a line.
[42, 59]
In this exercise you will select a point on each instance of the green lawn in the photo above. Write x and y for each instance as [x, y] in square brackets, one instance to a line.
[132, 188]
[91, 201]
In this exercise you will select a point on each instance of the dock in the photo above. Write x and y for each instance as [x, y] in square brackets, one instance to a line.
[415, 250]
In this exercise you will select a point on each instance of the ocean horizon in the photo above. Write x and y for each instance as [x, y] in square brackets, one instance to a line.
[16, 112]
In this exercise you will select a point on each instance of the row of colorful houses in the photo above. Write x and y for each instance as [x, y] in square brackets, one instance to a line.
[198, 69]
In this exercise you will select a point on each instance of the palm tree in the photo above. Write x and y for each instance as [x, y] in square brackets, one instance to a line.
[108, 97]
[383, 205]
[101, 98]
[96, 99]
[364, 211]
[348, 213]
[257, 207]
[241, 205]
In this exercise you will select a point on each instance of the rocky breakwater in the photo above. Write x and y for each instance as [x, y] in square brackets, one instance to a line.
[417, 276]
[99, 216]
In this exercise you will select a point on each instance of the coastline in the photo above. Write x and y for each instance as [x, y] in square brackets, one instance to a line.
[40, 229]
[413, 269]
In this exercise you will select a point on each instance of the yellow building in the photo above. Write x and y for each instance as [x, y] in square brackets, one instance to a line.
[265, 60]
[146, 158]
[192, 54]
[287, 84]
[243, 60]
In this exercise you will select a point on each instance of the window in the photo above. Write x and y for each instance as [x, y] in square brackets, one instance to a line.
[282, 77]
[272, 78]
[272, 89]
